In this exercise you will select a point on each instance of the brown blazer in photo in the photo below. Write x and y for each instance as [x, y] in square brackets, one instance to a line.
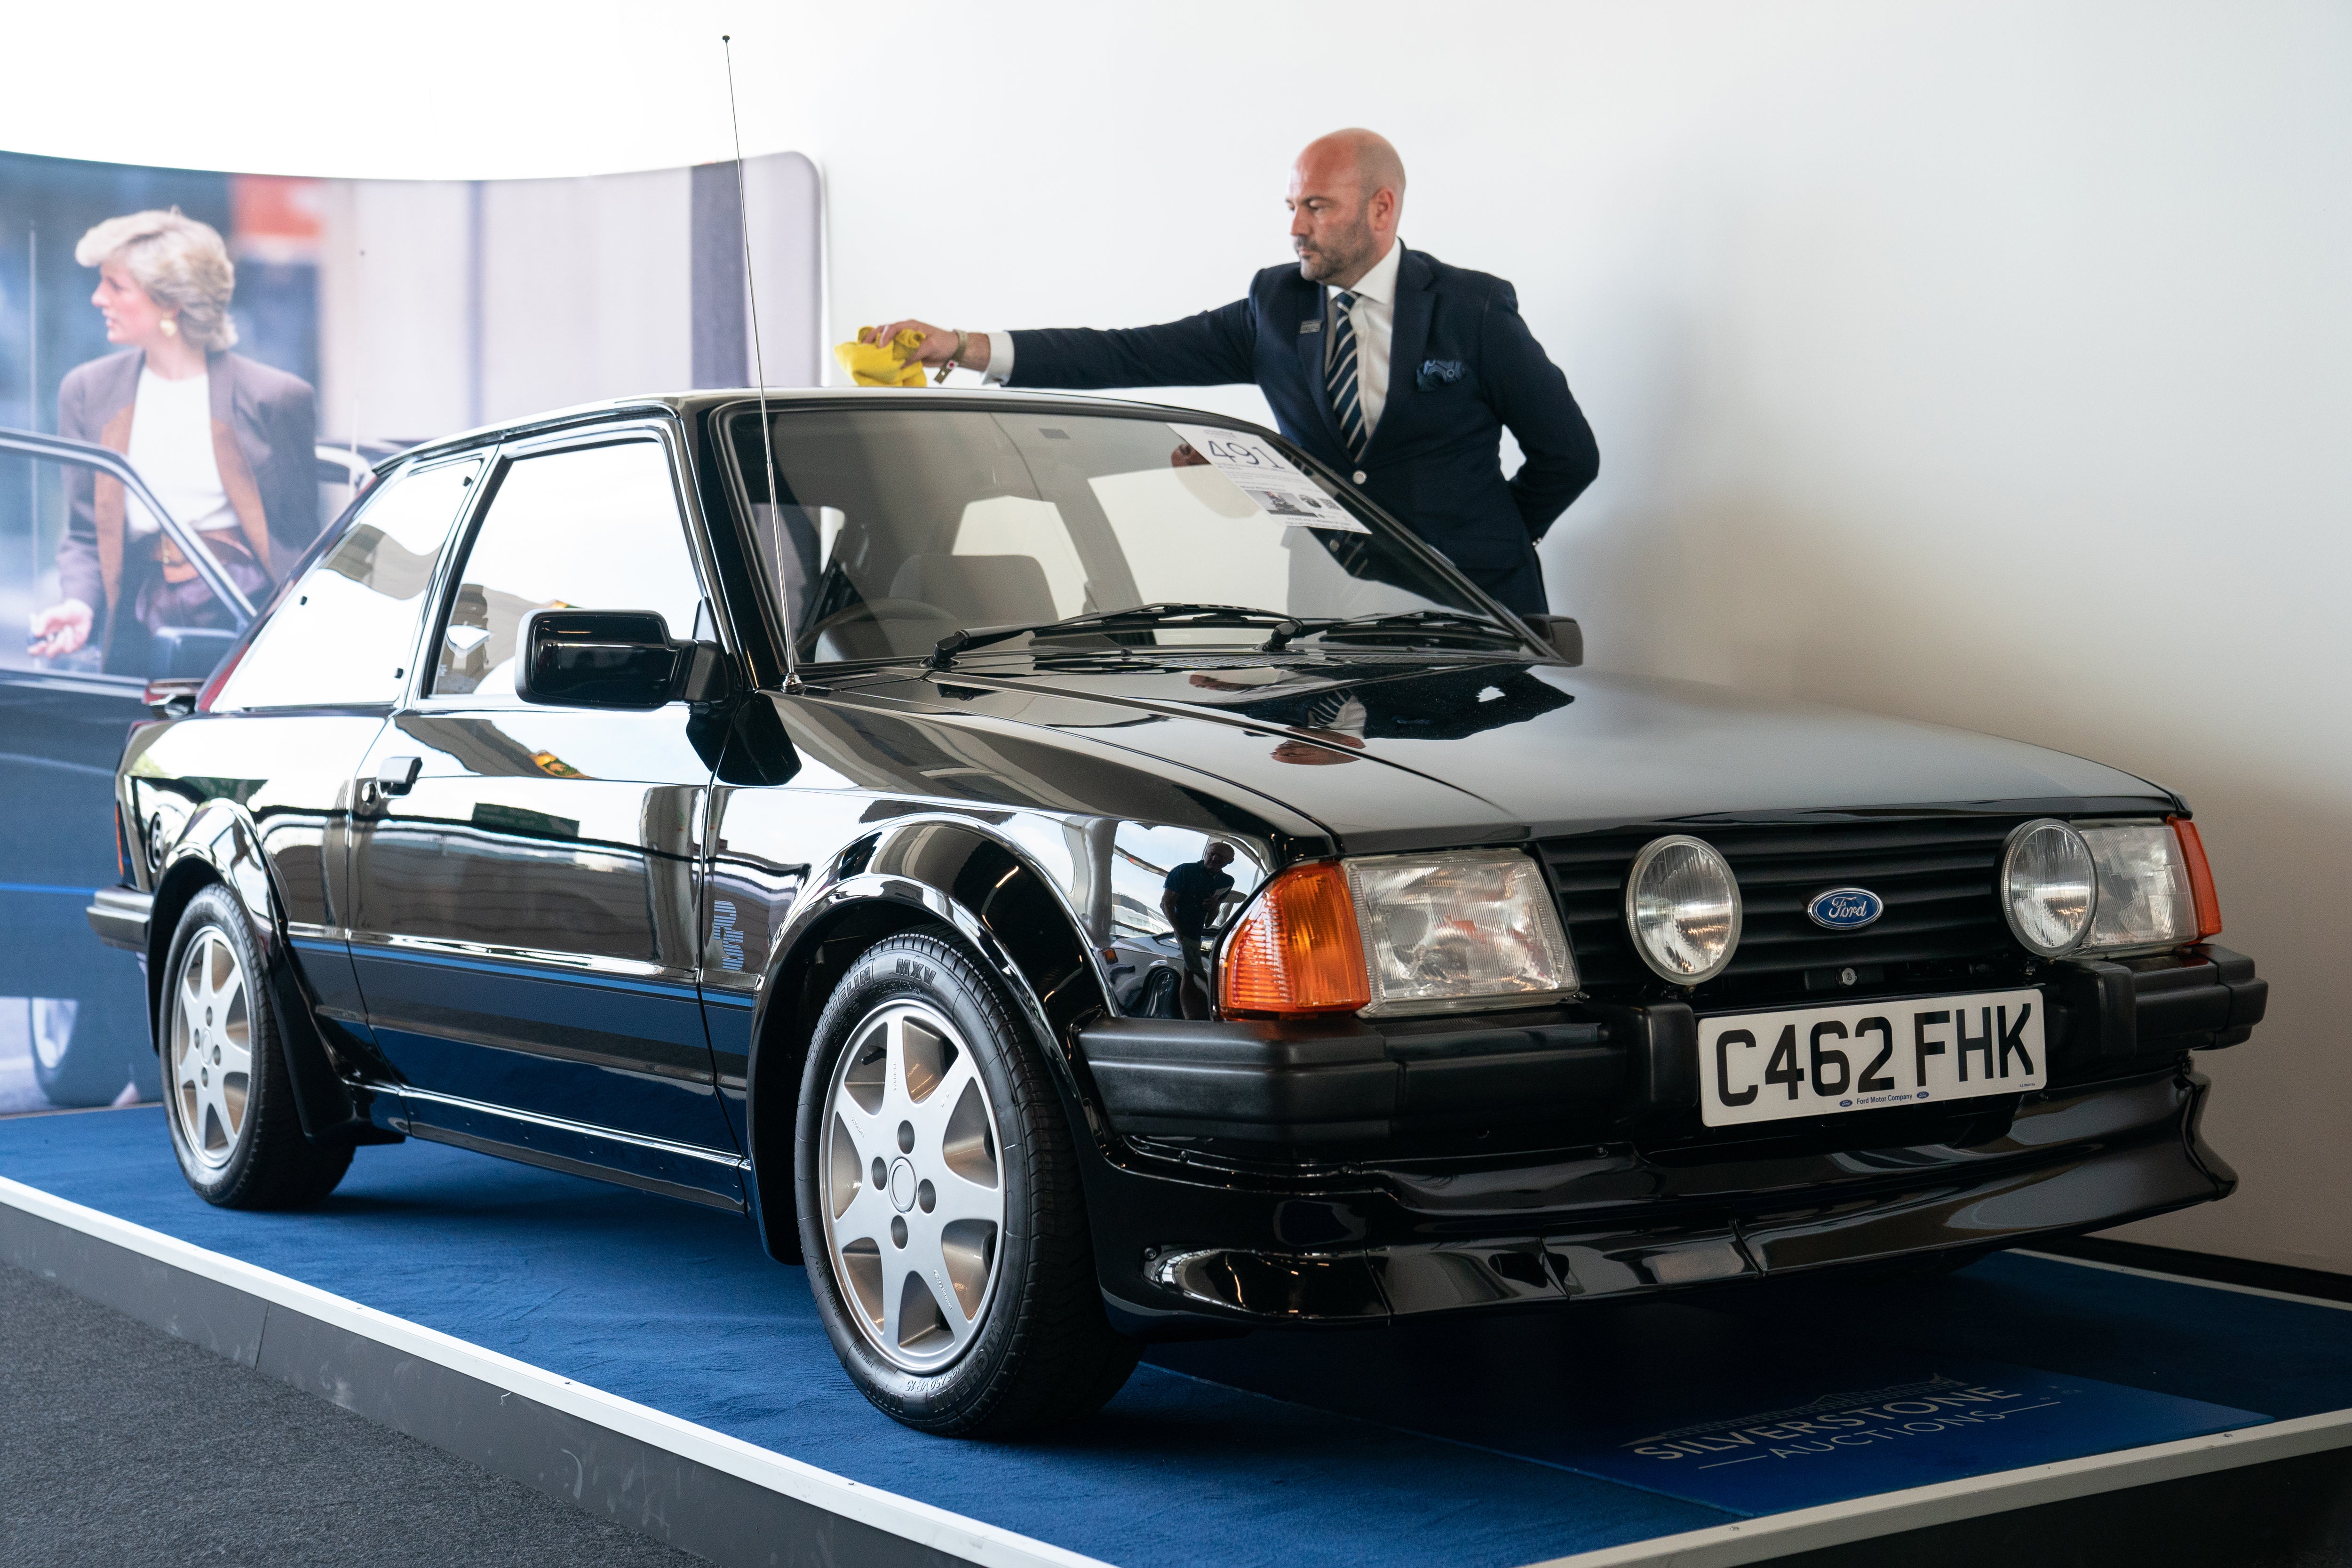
[265, 431]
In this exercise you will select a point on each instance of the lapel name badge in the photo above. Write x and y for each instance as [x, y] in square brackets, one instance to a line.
[1314, 326]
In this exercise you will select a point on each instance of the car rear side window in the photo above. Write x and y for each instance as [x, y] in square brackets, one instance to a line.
[593, 528]
[346, 632]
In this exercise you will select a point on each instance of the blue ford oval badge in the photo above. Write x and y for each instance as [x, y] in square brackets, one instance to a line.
[1845, 908]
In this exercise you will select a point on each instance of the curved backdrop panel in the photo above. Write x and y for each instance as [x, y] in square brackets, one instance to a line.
[400, 310]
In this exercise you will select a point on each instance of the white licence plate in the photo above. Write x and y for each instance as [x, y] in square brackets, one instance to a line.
[1819, 1061]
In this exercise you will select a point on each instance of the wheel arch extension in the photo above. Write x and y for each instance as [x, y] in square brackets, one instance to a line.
[222, 847]
[944, 876]
[219, 844]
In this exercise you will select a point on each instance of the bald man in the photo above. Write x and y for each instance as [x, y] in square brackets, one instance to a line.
[1385, 363]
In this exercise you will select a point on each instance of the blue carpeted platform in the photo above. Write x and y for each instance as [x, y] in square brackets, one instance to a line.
[1496, 1442]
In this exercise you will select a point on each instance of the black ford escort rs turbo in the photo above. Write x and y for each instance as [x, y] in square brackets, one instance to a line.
[1074, 873]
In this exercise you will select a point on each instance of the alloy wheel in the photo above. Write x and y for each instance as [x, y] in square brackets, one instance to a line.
[211, 1050]
[913, 1191]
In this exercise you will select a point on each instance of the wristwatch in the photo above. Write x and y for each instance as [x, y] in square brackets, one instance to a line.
[963, 345]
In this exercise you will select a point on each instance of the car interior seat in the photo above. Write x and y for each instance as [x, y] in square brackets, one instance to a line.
[978, 590]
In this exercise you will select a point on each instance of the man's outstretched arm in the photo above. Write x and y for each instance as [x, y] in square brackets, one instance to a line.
[1211, 349]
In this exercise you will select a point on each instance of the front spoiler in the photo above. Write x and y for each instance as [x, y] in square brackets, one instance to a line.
[1971, 1208]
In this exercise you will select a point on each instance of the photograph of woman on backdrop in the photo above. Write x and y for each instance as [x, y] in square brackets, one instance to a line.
[225, 441]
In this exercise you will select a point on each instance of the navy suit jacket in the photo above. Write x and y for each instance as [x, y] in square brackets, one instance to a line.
[1435, 460]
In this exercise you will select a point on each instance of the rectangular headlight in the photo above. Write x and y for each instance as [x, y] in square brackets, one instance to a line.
[2145, 898]
[1454, 931]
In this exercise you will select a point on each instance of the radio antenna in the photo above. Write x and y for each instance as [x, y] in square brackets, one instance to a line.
[759, 369]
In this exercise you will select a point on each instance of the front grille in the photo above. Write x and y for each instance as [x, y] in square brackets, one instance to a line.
[1935, 874]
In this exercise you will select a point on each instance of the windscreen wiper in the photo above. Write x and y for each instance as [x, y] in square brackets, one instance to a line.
[1402, 621]
[1141, 617]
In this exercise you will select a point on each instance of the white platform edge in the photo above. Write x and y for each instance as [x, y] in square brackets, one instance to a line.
[1887, 1514]
[905, 1516]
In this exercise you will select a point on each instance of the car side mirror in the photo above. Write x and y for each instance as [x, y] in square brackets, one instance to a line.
[1564, 635]
[601, 659]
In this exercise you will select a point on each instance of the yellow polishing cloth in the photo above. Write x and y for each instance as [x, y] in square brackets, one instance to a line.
[883, 365]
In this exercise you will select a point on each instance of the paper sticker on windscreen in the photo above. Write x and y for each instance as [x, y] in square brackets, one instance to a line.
[1278, 487]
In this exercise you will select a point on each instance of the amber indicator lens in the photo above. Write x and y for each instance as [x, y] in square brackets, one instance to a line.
[2200, 875]
[1298, 948]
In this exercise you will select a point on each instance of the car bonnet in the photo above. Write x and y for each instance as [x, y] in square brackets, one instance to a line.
[1387, 753]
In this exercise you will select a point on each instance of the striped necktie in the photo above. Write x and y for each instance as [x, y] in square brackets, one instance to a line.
[1339, 376]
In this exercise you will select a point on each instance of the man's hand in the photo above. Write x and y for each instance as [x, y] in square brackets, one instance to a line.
[939, 342]
[60, 629]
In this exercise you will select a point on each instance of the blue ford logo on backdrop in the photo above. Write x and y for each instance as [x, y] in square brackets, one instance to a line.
[1845, 908]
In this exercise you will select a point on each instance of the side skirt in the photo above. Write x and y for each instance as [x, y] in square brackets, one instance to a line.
[710, 1176]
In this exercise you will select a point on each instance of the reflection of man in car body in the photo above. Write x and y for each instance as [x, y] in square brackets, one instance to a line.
[1192, 898]
[226, 443]
[1438, 705]
[1383, 361]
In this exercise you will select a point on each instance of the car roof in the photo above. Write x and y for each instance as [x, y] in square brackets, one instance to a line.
[690, 404]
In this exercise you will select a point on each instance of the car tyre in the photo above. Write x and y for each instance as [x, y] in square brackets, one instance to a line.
[228, 1097]
[939, 1204]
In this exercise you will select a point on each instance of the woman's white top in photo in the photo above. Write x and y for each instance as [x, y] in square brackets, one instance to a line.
[171, 447]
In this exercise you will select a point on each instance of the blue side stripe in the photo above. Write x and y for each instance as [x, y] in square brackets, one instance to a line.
[674, 989]
[47, 887]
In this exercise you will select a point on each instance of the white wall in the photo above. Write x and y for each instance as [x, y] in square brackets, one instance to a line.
[1977, 360]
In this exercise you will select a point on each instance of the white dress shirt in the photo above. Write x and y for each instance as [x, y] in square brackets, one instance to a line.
[1374, 318]
[1000, 359]
[171, 447]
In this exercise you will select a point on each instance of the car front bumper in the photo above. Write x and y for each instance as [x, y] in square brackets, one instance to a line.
[1269, 1173]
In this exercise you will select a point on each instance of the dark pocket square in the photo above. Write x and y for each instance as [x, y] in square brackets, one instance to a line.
[1437, 372]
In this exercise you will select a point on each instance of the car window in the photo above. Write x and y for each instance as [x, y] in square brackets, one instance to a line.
[893, 527]
[593, 528]
[346, 632]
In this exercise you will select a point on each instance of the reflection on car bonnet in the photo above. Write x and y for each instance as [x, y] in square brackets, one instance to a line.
[1437, 705]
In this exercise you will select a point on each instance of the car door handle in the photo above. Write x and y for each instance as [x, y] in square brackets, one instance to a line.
[394, 775]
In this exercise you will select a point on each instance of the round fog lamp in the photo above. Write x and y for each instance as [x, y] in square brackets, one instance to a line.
[1682, 904]
[2049, 889]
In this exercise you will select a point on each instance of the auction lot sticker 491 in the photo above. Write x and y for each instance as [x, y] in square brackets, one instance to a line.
[1278, 486]
[1822, 1061]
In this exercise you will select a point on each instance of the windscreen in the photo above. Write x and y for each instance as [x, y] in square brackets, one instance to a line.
[892, 528]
